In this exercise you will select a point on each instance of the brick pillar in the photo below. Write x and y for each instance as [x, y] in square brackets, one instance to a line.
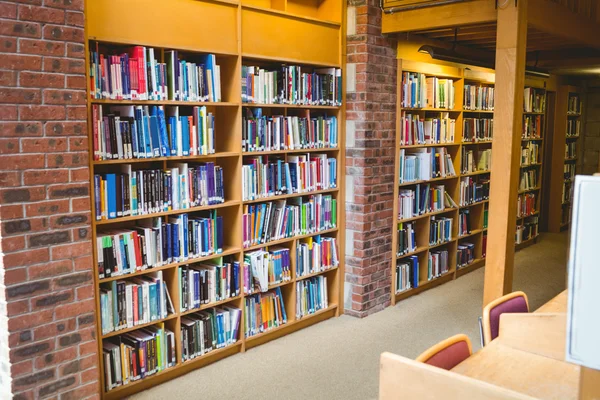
[370, 140]
[46, 271]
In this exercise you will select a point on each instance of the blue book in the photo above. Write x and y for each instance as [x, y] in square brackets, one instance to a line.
[209, 62]
[97, 194]
[173, 134]
[159, 290]
[164, 140]
[154, 136]
[169, 239]
[415, 270]
[153, 303]
[184, 221]
[185, 135]
[115, 303]
[111, 194]
[175, 240]
[278, 291]
[140, 303]
[184, 89]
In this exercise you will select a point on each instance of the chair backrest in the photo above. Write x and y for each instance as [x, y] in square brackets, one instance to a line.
[515, 302]
[448, 353]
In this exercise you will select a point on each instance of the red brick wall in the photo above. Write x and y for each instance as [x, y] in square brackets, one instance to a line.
[44, 201]
[370, 130]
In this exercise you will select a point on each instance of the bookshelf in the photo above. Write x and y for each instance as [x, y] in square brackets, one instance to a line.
[471, 155]
[256, 33]
[565, 146]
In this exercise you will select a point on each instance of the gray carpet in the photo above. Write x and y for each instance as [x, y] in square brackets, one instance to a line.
[338, 358]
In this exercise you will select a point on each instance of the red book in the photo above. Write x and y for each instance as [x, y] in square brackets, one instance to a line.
[135, 305]
[138, 251]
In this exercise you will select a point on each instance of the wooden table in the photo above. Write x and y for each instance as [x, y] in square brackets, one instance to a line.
[557, 305]
[534, 375]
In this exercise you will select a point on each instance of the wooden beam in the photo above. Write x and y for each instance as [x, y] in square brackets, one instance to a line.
[506, 147]
[558, 20]
[449, 15]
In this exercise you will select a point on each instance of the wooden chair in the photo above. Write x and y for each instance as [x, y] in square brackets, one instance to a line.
[515, 302]
[448, 353]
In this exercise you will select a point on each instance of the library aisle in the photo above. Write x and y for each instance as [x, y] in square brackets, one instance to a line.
[295, 364]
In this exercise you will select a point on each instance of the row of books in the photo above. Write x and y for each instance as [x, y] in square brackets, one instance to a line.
[437, 264]
[464, 222]
[422, 200]
[136, 301]
[265, 222]
[416, 130]
[527, 231]
[528, 179]
[573, 127]
[530, 154]
[209, 330]
[407, 240]
[574, 106]
[473, 161]
[137, 354]
[407, 274]
[207, 282]
[292, 84]
[440, 230]
[150, 191]
[526, 205]
[532, 127]
[278, 132]
[567, 192]
[478, 130]
[473, 190]
[419, 91]
[263, 312]
[137, 74]
[264, 177]
[158, 242]
[534, 100]
[569, 171]
[424, 164]
[266, 267]
[316, 254]
[465, 254]
[570, 149]
[311, 296]
[142, 132]
[477, 97]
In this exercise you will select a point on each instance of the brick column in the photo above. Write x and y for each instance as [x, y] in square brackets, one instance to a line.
[46, 271]
[370, 141]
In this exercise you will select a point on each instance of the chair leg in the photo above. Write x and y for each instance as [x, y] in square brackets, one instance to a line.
[481, 331]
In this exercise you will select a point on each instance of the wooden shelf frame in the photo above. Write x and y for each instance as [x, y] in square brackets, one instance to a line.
[231, 34]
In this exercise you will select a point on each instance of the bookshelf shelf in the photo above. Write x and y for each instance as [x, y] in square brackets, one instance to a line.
[416, 146]
[473, 233]
[476, 173]
[229, 203]
[433, 246]
[419, 249]
[135, 328]
[484, 201]
[531, 165]
[476, 143]
[478, 111]
[535, 139]
[271, 287]
[431, 109]
[426, 215]
[226, 29]
[289, 196]
[443, 178]
[529, 190]
[476, 264]
[533, 113]
[570, 158]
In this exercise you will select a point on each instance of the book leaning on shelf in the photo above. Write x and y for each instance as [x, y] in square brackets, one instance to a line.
[416, 130]
[528, 180]
[138, 354]
[473, 190]
[208, 330]
[470, 164]
[158, 242]
[142, 132]
[263, 177]
[316, 254]
[465, 254]
[263, 312]
[278, 132]
[407, 274]
[207, 282]
[136, 74]
[146, 192]
[263, 268]
[266, 222]
[407, 241]
[422, 200]
[437, 264]
[424, 164]
[135, 301]
[292, 84]
[530, 154]
[311, 296]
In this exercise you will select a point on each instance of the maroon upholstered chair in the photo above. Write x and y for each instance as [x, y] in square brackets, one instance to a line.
[448, 353]
[515, 302]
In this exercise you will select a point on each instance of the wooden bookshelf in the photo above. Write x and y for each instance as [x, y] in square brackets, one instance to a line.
[478, 210]
[565, 145]
[246, 32]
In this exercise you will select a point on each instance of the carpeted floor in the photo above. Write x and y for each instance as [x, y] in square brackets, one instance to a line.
[338, 358]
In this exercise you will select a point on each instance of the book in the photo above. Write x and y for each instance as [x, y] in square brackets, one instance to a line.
[263, 312]
[534, 100]
[477, 130]
[423, 199]
[209, 330]
[464, 222]
[473, 190]
[262, 268]
[526, 204]
[528, 179]
[425, 163]
[478, 98]
[407, 274]
[437, 264]
[416, 130]
[440, 230]
[407, 242]
[465, 254]
[292, 84]
[311, 296]
[316, 254]
[532, 127]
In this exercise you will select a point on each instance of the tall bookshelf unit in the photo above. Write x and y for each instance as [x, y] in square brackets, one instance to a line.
[478, 211]
[245, 32]
[565, 146]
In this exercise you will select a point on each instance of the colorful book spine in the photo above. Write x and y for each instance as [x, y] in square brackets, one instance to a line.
[207, 282]
[311, 296]
[316, 254]
[209, 330]
[263, 312]
[262, 269]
